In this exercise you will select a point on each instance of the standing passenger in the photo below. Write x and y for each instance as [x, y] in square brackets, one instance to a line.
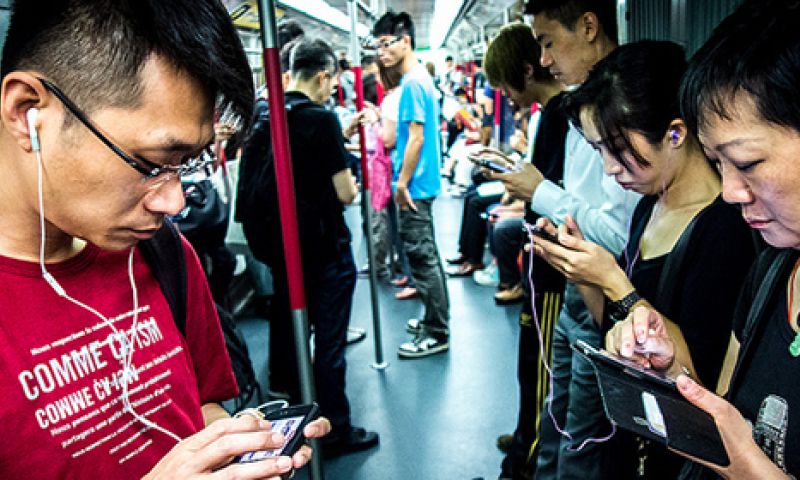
[512, 65]
[416, 176]
[323, 184]
[574, 35]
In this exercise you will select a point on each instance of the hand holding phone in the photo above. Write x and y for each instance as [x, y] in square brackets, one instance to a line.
[289, 422]
[493, 160]
[542, 233]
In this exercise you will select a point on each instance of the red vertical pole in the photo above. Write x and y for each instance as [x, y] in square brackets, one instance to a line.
[359, 103]
[287, 208]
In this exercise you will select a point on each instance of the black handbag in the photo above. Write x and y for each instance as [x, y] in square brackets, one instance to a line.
[204, 219]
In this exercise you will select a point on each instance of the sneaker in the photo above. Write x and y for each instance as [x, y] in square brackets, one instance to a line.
[488, 277]
[422, 346]
[414, 326]
[355, 335]
[512, 295]
[354, 439]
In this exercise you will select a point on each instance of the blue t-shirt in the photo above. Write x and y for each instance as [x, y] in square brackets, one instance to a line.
[419, 103]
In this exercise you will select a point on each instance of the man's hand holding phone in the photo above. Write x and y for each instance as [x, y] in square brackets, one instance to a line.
[520, 182]
[212, 449]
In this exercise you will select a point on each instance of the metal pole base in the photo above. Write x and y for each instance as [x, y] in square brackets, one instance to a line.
[379, 366]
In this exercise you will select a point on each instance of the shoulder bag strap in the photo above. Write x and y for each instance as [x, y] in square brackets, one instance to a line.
[164, 254]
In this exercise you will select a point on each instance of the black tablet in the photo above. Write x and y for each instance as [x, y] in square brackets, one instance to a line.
[649, 404]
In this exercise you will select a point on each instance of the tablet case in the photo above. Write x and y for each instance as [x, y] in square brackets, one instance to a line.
[653, 408]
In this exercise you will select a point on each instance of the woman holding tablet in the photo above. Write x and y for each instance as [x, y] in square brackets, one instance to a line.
[682, 235]
[742, 95]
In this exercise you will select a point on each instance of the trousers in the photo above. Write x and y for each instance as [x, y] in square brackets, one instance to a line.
[576, 404]
[419, 242]
[329, 291]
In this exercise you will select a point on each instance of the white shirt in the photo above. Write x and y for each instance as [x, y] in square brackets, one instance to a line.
[595, 200]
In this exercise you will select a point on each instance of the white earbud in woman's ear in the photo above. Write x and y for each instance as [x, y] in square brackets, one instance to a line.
[32, 132]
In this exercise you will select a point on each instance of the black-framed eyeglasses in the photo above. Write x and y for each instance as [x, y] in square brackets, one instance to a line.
[383, 45]
[150, 170]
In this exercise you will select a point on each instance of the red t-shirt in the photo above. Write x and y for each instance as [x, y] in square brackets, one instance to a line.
[60, 412]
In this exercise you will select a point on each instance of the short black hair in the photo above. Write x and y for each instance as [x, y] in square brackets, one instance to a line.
[755, 50]
[94, 50]
[567, 12]
[367, 60]
[634, 88]
[397, 24]
[311, 56]
[448, 58]
[288, 30]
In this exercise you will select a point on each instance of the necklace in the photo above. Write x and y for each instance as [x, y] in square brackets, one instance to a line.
[794, 347]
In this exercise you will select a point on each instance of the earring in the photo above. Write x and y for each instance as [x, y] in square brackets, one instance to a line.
[675, 136]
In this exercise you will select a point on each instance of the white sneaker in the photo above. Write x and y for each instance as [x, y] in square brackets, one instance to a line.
[488, 277]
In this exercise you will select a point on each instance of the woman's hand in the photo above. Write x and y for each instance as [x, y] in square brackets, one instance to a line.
[644, 338]
[747, 460]
[581, 261]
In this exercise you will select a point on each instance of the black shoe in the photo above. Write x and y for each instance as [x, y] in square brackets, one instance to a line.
[354, 439]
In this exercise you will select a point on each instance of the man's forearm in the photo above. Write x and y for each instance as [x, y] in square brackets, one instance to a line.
[410, 159]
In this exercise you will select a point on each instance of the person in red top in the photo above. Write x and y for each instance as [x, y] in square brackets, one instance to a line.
[93, 141]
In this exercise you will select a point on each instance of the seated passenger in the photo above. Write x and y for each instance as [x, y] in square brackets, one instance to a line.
[683, 237]
[742, 95]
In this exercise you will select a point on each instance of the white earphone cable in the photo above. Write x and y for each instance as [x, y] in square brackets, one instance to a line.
[127, 359]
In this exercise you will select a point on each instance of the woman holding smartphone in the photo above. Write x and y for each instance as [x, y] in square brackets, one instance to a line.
[688, 251]
[742, 95]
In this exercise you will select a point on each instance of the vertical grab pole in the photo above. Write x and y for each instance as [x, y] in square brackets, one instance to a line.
[366, 196]
[288, 211]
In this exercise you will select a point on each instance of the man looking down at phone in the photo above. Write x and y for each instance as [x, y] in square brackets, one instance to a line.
[573, 36]
[323, 185]
[417, 182]
[104, 105]
[740, 94]
[682, 234]
[512, 65]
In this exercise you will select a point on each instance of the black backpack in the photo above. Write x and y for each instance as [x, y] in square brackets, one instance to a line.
[164, 254]
[256, 193]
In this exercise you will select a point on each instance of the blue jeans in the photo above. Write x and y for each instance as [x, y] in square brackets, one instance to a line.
[576, 402]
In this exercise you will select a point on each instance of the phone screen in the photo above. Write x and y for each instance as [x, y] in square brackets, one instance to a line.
[286, 426]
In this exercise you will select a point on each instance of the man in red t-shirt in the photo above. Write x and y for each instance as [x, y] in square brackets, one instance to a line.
[93, 140]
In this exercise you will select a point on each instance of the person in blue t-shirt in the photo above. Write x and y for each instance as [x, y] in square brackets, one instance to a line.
[416, 181]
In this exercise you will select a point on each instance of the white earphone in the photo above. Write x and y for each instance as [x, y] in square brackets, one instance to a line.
[32, 132]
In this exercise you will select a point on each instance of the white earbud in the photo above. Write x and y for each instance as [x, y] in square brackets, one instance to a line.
[34, 134]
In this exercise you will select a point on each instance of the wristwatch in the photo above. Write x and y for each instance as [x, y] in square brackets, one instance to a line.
[618, 310]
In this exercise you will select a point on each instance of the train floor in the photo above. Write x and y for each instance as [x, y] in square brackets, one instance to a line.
[438, 417]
